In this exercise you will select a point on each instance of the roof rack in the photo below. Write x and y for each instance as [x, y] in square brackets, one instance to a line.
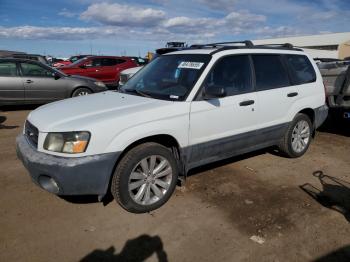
[285, 45]
[246, 44]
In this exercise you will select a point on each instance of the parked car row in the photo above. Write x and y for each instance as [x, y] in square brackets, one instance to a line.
[24, 81]
[27, 79]
[170, 47]
[104, 68]
[61, 62]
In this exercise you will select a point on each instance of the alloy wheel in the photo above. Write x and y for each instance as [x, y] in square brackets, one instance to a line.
[150, 179]
[300, 136]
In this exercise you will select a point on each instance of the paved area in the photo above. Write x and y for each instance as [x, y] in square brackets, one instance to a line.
[256, 207]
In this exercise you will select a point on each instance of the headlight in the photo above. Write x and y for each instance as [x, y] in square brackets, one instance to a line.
[67, 142]
[99, 83]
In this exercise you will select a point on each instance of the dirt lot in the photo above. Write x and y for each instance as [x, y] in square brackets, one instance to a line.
[212, 218]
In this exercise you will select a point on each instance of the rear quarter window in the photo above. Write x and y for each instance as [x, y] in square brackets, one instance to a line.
[270, 72]
[301, 69]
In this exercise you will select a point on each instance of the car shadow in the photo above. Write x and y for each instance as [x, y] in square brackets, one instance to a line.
[231, 160]
[136, 250]
[2, 126]
[339, 255]
[335, 193]
[88, 199]
[18, 107]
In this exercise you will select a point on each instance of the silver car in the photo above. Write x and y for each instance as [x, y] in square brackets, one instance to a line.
[24, 81]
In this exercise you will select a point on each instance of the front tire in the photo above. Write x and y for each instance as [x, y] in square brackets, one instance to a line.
[145, 178]
[298, 137]
[82, 91]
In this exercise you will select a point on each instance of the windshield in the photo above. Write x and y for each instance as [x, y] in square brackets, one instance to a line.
[78, 61]
[169, 77]
[76, 58]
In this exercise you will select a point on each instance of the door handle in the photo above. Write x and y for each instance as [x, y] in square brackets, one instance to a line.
[247, 103]
[29, 81]
[292, 94]
[97, 70]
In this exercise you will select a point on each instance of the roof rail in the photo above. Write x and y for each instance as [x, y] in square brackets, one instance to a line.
[247, 43]
[285, 45]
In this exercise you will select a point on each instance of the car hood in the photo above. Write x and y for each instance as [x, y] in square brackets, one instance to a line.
[99, 110]
[84, 78]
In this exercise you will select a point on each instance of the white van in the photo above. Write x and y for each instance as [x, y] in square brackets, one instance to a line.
[183, 110]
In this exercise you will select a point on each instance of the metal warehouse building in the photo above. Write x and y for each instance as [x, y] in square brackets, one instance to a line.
[335, 45]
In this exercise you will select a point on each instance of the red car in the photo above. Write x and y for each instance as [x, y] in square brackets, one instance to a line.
[103, 68]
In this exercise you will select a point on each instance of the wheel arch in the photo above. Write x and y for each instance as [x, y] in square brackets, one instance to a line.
[163, 139]
[77, 87]
[312, 115]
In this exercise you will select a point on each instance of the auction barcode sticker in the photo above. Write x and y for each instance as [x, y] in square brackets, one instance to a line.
[191, 65]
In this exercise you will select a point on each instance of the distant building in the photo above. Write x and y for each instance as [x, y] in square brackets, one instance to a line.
[335, 45]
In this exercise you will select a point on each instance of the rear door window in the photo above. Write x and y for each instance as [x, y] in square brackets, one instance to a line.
[8, 69]
[301, 69]
[270, 72]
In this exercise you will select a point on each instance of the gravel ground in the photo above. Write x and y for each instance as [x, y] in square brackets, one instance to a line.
[256, 207]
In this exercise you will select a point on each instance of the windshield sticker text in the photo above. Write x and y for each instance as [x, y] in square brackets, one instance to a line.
[191, 65]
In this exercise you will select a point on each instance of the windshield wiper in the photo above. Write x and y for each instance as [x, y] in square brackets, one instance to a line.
[136, 91]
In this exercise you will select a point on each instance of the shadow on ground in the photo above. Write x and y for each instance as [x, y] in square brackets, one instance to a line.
[339, 255]
[207, 167]
[18, 107]
[88, 199]
[135, 250]
[2, 126]
[335, 193]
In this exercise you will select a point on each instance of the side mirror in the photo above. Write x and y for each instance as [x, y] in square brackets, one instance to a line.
[56, 76]
[83, 66]
[213, 91]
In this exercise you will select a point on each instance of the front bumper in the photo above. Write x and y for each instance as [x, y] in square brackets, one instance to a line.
[88, 175]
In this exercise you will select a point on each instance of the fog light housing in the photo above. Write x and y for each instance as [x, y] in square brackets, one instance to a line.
[49, 184]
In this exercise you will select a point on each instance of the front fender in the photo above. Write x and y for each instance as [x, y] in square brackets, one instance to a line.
[177, 128]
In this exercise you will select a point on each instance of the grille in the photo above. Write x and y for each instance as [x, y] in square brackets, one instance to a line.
[31, 132]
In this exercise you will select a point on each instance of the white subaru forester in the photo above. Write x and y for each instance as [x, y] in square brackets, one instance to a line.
[183, 110]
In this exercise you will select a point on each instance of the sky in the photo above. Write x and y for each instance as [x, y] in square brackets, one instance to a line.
[68, 27]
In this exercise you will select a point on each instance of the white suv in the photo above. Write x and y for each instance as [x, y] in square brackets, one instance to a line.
[183, 110]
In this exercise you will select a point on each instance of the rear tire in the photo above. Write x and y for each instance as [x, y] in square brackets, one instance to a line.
[82, 91]
[298, 137]
[145, 178]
